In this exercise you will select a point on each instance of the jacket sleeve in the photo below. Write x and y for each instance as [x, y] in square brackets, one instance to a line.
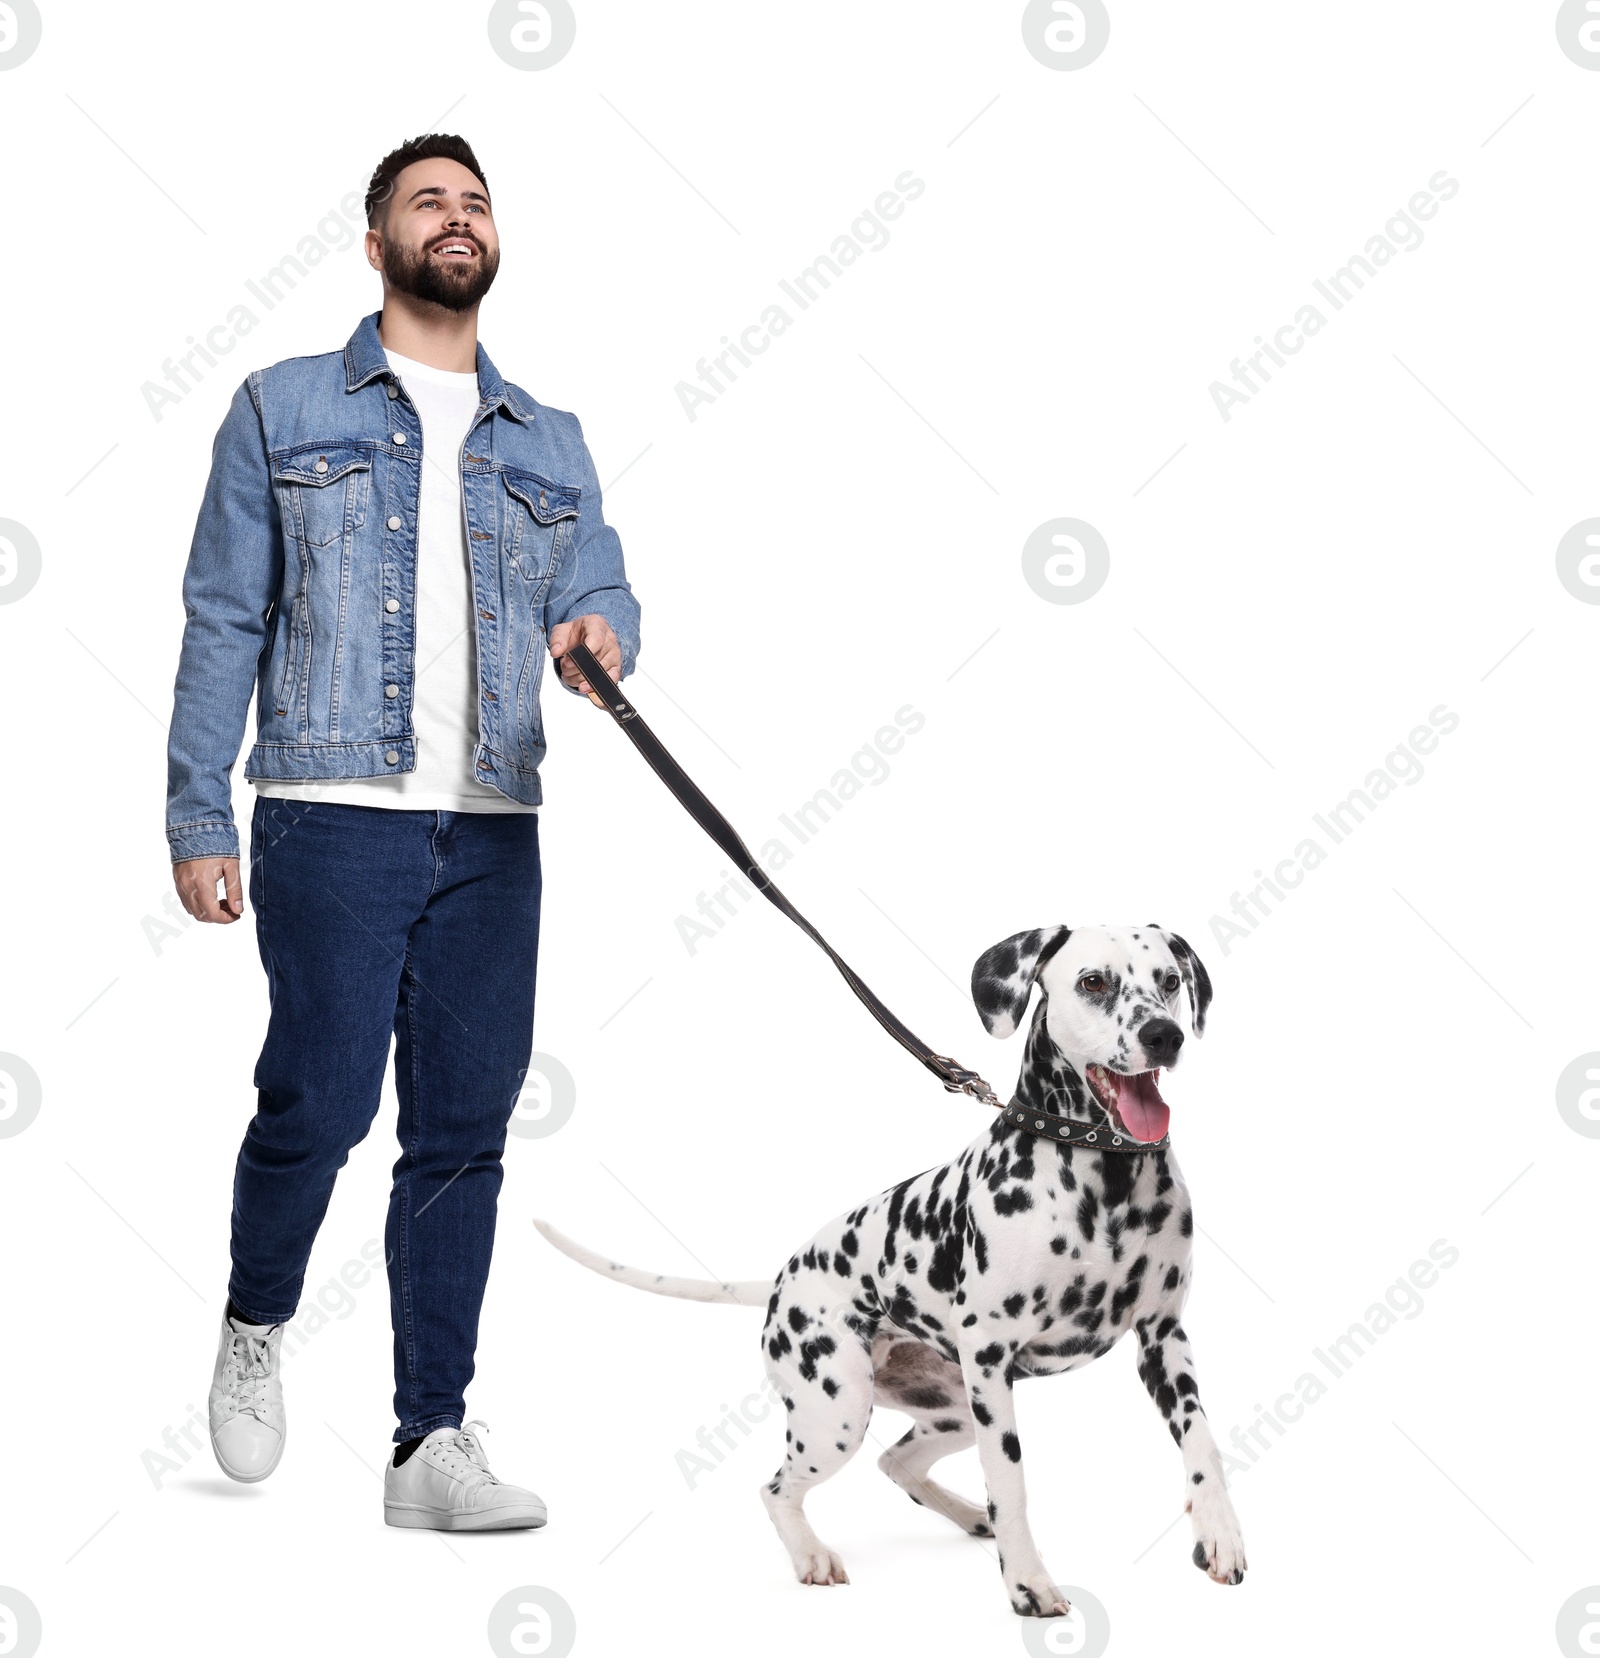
[591, 580]
[233, 578]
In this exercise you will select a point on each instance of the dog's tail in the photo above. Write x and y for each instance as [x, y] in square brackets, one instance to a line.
[752, 1292]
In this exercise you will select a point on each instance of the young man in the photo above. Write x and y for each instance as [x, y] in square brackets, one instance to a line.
[391, 539]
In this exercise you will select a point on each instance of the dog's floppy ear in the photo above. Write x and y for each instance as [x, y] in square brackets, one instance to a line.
[1002, 977]
[1195, 978]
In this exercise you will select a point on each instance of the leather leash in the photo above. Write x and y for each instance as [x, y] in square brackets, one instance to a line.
[955, 1078]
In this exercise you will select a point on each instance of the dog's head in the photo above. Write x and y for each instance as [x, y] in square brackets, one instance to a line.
[1113, 1004]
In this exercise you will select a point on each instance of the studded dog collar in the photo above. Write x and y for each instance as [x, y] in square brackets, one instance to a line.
[1067, 1132]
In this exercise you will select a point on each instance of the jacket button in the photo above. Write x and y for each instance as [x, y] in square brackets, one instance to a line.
[543, 502]
[397, 523]
[391, 605]
[392, 389]
[400, 438]
[392, 758]
[391, 690]
[322, 464]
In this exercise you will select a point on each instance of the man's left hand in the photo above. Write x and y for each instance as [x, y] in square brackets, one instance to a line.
[595, 632]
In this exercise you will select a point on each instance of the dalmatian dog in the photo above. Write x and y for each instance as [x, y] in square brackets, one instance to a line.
[1020, 1258]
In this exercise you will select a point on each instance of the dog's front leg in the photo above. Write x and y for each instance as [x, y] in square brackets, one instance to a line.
[1166, 1367]
[988, 1377]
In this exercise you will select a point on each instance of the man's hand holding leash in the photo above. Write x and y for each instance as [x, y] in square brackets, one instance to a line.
[595, 632]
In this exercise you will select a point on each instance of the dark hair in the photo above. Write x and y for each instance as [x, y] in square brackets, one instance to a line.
[424, 148]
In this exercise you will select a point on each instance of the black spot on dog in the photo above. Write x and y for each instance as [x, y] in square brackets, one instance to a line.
[1199, 1557]
[797, 1319]
[984, 1417]
[1014, 1304]
[991, 1355]
[1011, 1445]
[1129, 1293]
[830, 1386]
[1117, 1173]
[1171, 1282]
[1088, 1208]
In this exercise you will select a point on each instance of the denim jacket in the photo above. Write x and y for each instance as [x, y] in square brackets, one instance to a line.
[302, 577]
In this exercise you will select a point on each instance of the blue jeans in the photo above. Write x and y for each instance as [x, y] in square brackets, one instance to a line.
[369, 921]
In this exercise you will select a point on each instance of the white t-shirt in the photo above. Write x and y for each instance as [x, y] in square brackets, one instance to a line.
[444, 708]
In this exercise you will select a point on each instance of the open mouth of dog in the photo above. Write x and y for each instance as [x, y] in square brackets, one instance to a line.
[1134, 1102]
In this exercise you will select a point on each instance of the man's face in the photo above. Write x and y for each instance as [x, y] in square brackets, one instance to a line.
[436, 240]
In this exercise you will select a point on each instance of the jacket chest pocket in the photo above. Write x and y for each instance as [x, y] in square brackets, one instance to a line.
[540, 519]
[323, 491]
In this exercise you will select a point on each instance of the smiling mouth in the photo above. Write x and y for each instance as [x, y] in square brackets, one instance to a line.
[455, 250]
[1134, 1102]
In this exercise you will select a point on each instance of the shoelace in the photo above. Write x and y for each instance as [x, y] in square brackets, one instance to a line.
[245, 1374]
[465, 1454]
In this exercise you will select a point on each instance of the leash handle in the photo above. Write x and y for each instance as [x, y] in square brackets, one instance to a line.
[955, 1078]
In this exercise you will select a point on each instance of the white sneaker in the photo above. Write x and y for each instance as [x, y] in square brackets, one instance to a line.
[247, 1426]
[445, 1485]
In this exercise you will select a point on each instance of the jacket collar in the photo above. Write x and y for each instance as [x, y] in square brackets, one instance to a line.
[364, 360]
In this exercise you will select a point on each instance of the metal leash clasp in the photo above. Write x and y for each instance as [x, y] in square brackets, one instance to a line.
[958, 1080]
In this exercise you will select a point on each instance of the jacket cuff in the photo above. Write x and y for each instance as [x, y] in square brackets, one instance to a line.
[203, 840]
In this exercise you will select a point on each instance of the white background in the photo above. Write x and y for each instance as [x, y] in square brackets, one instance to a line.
[839, 536]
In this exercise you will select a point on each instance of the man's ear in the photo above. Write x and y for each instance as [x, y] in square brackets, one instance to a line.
[1002, 977]
[1195, 978]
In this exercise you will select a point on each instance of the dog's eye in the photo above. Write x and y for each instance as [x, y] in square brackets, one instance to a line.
[1094, 983]
[1170, 983]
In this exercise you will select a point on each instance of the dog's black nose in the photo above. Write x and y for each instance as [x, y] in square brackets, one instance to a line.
[1161, 1040]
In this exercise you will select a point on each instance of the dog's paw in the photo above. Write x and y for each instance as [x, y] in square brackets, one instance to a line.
[1219, 1543]
[820, 1566]
[1035, 1596]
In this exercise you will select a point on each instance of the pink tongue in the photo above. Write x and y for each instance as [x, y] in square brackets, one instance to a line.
[1139, 1103]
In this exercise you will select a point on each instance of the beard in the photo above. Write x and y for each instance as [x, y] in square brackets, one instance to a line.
[441, 281]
